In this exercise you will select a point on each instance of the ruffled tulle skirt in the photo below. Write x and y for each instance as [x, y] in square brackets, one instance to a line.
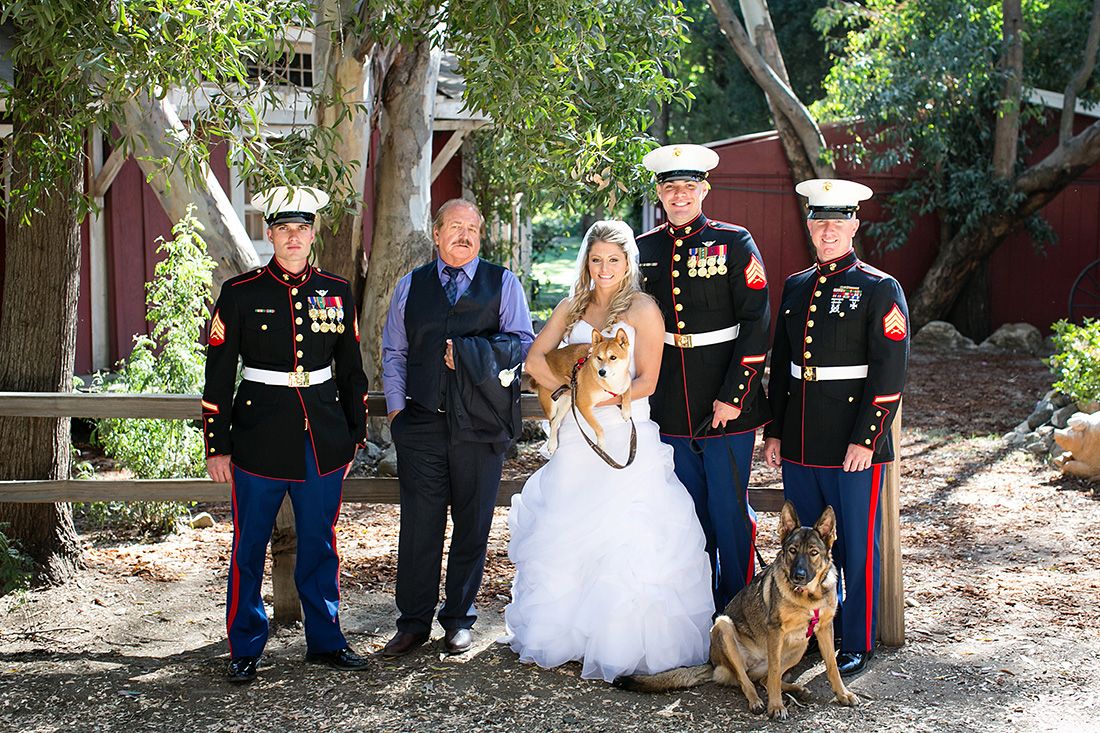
[610, 564]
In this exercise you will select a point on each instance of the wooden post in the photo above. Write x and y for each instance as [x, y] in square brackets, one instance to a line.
[891, 617]
[288, 607]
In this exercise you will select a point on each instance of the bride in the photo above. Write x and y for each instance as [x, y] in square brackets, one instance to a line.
[610, 564]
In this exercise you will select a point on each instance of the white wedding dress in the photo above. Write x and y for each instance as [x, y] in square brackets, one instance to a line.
[610, 564]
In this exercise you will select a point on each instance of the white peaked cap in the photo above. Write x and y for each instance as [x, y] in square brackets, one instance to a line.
[680, 162]
[290, 204]
[833, 198]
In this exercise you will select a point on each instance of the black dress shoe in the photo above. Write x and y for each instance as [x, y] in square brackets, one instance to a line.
[852, 663]
[340, 659]
[457, 641]
[242, 669]
[402, 643]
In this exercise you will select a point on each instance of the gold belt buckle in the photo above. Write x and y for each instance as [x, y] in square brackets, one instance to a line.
[809, 374]
[298, 379]
[683, 340]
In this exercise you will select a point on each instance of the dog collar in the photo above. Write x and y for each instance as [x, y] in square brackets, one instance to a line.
[611, 393]
[813, 623]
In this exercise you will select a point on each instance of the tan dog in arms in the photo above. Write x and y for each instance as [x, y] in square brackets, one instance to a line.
[603, 373]
[765, 629]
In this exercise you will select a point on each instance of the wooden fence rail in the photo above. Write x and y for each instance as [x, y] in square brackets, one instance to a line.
[367, 490]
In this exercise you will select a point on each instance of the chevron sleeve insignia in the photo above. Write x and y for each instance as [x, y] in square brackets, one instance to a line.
[754, 274]
[217, 330]
[894, 326]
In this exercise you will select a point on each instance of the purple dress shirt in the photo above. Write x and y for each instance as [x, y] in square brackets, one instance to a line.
[515, 318]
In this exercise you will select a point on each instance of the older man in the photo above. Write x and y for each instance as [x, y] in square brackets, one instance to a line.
[457, 330]
[838, 367]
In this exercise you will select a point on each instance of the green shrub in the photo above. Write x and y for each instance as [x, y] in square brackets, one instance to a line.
[16, 569]
[1076, 360]
[171, 361]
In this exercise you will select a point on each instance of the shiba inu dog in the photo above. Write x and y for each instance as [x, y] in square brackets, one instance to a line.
[603, 373]
[765, 629]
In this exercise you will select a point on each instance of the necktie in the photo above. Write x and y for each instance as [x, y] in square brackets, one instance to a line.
[450, 287]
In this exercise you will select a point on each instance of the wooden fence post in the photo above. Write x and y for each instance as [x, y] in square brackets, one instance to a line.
[284, 542]
[891, 618]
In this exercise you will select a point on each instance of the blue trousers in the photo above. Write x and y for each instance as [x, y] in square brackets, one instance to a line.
[256, 501]
[710, 479]
[854, 497]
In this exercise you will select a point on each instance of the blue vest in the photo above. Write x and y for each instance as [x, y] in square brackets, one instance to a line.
[430, 320]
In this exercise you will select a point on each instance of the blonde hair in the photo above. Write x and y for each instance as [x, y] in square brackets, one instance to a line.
[612, 232]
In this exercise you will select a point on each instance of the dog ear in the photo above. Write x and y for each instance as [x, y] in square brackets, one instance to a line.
[826, 525]
[622, 338]
[597, 337]
[788, 520]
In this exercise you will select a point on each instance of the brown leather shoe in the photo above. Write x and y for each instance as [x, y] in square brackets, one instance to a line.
[457, 641]
[402, 643]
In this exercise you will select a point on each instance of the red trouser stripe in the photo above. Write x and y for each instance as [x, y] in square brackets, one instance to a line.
[872, 514]
[234, 570]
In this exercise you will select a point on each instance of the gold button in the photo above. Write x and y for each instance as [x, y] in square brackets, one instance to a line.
[679, 243]
[851, 399]
[679, 306]
[680, 324]
[821, 279]
[676, 291]
[878, 414]
[810, 323]
[211, 450]
[299, 337]
[813, 309]
[209, 419]
[806, 354]
[298, 320]
[210, 434]
[787, 312]
[263, 327]
[873, 428]
[746, 372]
[809, 339]
[676, 257]
[842, 314]
[299, 354]
[298, 368]
[868, 441]
[676, 273]
[832, 266]
[298, 306]
[817, 293]
[687, 230]
[248, 403]
[740, 386]
[735, 399]
[294, 291]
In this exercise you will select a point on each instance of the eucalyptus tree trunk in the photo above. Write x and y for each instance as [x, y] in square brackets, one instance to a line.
[402, 227]
[347, 111]
[37, 354]
[153, 124]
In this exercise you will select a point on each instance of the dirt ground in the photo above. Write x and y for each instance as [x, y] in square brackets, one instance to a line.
[1002, 632]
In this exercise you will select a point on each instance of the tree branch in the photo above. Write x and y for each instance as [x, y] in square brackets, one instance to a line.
[1007, 132]
[1077, 83]
[784, 99]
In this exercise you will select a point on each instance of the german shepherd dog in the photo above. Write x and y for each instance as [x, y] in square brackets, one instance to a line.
[765, 629]
[603, 372]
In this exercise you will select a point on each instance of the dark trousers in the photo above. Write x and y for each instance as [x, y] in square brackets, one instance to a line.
[713, 483]
[435, 473]
[854, 497]
[256, 501]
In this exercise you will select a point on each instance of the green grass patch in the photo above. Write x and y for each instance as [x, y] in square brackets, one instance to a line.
[553, 274]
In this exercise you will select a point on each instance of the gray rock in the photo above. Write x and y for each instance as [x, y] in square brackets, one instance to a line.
[940, 335]
[373, 452]
[1022, 428]
[1089, 407]
[1045, 431]
[202, 520]
[1038, 447]
[1061, 415]
[1014, 439]
[388, 465]
[1019, 337]
[1042, 414]
[1059, 400]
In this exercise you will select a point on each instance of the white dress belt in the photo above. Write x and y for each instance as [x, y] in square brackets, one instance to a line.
[828, 374]
[287, 379]
[691, 340]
